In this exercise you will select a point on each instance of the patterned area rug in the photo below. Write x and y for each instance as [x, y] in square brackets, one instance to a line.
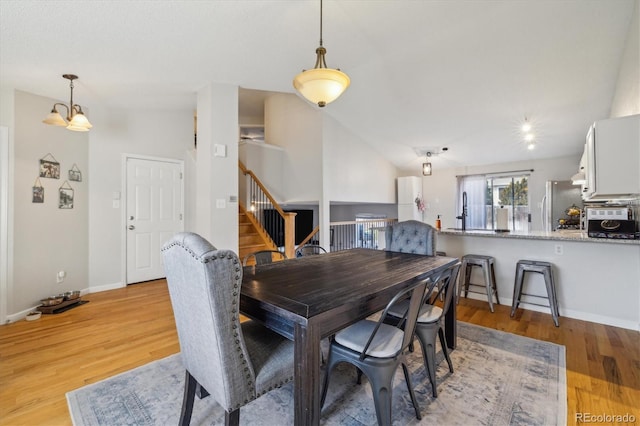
[499, 379]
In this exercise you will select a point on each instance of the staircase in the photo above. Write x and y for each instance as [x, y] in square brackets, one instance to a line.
[251, 239]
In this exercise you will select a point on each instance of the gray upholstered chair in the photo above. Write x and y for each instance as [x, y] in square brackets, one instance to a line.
[430, 324]
[264, 257]
[234, 362]
[411, 236]
[377, 349]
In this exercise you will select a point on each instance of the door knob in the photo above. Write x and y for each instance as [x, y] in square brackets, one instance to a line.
[131, 227]
[130, 217]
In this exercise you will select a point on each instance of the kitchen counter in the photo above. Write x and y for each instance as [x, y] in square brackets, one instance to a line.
[562, 235]
[597, 279]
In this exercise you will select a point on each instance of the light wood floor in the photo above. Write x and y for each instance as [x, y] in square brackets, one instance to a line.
[121, 329]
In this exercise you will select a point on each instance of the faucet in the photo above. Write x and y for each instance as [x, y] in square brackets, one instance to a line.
[463, 216]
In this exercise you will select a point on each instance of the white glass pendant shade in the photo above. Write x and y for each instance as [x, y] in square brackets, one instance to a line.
[55, 119]
[321, 85]
[79, 123]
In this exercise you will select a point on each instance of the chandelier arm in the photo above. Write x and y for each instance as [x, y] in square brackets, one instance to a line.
[65, 107]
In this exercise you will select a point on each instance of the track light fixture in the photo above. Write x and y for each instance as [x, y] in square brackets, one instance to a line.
[75, 119]
[321, 85]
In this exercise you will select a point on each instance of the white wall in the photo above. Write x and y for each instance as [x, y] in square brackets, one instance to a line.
[295, 126]
[156, 133]
[46, 239]
[217, 175]
[626, 100]
[354, 171]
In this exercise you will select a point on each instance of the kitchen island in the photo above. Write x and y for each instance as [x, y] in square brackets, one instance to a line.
[597, 279]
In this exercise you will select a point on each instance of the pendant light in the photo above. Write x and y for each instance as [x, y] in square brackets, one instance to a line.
[426, 167]
[76, 119]
[321, 85]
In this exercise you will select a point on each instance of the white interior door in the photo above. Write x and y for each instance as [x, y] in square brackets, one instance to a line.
[154, 212]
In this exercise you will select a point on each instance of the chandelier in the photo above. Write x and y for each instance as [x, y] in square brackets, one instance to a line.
[321, 85]
[75, 119]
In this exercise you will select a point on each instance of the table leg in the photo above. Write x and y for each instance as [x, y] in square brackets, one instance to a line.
[306, 391]
[450, 325]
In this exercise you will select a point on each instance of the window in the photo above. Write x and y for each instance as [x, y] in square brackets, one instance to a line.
[486, 194]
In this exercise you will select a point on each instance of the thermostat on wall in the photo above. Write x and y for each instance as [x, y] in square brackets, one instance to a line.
[219, 150]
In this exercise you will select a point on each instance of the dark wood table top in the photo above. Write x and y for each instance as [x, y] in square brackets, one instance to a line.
[309, 286]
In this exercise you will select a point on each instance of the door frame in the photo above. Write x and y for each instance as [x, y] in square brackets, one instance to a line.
[123, 203]
[6, 231]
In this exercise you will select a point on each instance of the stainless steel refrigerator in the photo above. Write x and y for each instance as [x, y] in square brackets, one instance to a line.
[559, 205]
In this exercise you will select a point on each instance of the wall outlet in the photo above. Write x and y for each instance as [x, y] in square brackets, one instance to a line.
[60, 276]
[558, 249]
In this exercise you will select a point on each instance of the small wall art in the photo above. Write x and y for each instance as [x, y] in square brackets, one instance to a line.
[65, 200]
[75, 174]
[37, 192]
[49, 167]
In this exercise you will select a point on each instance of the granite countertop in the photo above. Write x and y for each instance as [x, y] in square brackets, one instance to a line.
[563, 235]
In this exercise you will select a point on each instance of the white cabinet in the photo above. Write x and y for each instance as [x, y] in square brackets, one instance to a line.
[613, 158]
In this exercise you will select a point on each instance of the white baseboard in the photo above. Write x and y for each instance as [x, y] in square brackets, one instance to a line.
[568, 313]
[96, 289]
[105, 287]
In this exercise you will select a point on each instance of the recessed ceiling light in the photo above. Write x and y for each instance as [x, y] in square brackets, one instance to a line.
[529, 137]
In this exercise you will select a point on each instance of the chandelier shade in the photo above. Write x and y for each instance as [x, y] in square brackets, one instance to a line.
[54, 118]
[321, 85]
[75, 120]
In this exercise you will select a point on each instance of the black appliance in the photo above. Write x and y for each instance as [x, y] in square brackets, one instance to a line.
[612, 222]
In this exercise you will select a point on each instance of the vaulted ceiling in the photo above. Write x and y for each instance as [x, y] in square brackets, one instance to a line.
[431, 74]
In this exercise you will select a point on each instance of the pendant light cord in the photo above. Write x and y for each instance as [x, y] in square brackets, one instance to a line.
[320, 23]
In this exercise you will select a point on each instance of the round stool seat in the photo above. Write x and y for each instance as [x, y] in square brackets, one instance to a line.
[486, 263]
[541, 267]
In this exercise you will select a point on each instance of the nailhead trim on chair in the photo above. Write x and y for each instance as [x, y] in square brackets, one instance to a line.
[235, 317]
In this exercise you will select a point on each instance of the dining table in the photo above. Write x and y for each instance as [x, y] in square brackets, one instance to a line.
[309, 298]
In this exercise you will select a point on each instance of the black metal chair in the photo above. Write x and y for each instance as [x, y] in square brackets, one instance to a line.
[309, 249]
[430, 323]
[264, 257]
[376, 349]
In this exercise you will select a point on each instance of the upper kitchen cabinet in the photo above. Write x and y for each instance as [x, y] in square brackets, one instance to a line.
[613, 159]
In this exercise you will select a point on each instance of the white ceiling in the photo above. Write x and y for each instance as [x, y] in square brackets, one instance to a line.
[460, 74]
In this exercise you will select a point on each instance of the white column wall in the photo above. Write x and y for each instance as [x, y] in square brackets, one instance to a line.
[217, 176]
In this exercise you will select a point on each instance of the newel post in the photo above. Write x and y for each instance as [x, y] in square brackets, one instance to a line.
[290, 234]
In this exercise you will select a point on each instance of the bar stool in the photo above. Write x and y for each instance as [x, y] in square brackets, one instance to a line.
[486, 263]
[543, 268]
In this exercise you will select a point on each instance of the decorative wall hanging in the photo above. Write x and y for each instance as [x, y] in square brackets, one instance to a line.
[75, 174]
[37, 192]
[66, 196]
[49, 167]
